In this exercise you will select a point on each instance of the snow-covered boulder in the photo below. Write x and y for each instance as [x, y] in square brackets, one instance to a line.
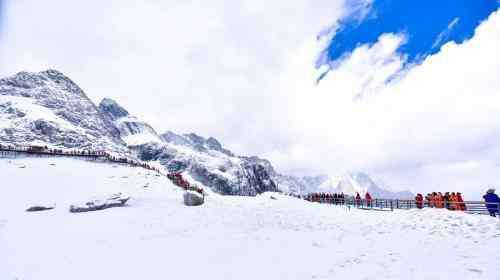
[193, 198]
[116, 200]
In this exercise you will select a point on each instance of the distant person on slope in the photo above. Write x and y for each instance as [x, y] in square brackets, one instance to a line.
[492, 200]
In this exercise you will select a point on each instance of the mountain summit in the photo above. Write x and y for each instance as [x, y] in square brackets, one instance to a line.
[48, 107]
[132, 131]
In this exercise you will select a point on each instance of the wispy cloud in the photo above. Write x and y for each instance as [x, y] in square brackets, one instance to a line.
[445, 33]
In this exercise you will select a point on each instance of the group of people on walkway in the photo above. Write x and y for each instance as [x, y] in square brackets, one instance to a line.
[368, 200]
[333, 198]
[340, 198]
[448, 200]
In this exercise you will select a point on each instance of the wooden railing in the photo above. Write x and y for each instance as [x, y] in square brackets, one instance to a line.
[473, 207]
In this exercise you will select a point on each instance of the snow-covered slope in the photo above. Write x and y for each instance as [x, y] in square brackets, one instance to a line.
[49, 108]
[157, 237]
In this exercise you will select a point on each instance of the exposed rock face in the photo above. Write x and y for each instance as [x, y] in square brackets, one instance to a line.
[214, 167]
[47, 107]
[112, 110]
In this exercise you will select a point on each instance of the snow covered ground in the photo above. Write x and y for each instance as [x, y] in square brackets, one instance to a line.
[157, 237]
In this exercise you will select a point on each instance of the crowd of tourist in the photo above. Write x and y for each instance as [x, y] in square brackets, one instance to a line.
[448, 200]
[340, 198]
[333, 198]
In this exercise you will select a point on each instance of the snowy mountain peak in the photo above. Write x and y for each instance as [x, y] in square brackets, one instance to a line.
[50, 109]
[194, 141]
[132, 130]
[112, 109]
[47, 107]
[30, 80]
[360, 182]
[213, 144]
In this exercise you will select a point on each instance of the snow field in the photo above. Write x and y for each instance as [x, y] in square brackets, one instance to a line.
[157, 237]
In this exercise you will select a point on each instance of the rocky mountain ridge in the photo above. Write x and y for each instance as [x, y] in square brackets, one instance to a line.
[50, 109]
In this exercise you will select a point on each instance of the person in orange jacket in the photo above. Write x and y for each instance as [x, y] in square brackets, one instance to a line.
[439, 200]
[453, 201]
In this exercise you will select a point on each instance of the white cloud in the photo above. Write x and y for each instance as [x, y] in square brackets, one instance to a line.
[202, 66]
[440, 115]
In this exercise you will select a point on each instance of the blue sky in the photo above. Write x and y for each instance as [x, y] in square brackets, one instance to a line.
[426, 24]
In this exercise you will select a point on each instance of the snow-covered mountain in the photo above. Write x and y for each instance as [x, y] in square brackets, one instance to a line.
[359, 182]
[207, 162]
[133, 131]
[48, 108]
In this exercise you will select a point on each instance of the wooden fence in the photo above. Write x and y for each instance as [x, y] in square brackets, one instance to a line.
[473, 207]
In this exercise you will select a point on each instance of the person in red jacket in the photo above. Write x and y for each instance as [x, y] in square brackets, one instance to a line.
[461, 204]
[358, 200]
[368, 199]
[419, 201]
